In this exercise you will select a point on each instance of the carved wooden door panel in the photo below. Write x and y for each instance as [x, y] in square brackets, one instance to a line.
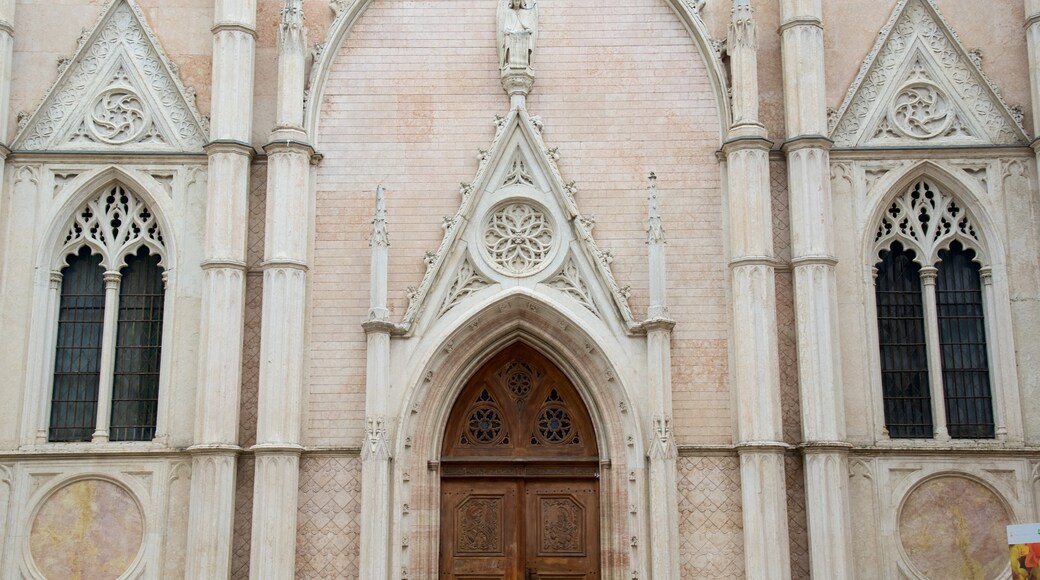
[480, 538]
[519, 467]
[562, 530]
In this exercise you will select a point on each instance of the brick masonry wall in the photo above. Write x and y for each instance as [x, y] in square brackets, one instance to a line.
[622, 90]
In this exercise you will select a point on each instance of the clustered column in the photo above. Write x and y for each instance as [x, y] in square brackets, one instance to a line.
[815, 284]
[1033, 47]
[286, 253]
[664, 505]
[756, 370]
[212, 510]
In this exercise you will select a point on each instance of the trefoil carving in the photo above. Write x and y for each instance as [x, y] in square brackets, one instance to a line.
[926, 219]
[114, 223]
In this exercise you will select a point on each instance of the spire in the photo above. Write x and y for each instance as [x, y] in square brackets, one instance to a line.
[655, 254]
[380, 243]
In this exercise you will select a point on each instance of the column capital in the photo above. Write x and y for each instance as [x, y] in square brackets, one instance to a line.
[807, 142]
[376, 326]
[928, 275]
[112, 278]
[742, 142]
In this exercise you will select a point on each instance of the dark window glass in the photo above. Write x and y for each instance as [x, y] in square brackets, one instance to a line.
[962, 335]
[77, 361]
[135, 385]
[904, 354]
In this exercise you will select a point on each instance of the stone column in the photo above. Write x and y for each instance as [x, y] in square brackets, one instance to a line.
[664, 503]
[375, 450]
[6, 50]
[212, 510]
[108, 358]
[929, 275]
[1033, 48]
[815, 284]
[756, 367]
[286, 250]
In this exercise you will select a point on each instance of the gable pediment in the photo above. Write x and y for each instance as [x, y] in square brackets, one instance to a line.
[920, 88]
[118, 93]
[518, 226]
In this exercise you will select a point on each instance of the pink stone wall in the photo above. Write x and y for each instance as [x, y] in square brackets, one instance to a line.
[622, 90]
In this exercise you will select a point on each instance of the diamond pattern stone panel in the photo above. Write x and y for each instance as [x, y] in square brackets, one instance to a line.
[254, 307]
[328, 525]
[711, 529]
[797, 526]
[243, 529]
[787, 347]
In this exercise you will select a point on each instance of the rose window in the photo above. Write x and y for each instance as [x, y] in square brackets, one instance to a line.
[519, 384]
[518, 239]
[485, 425]
[554, 425]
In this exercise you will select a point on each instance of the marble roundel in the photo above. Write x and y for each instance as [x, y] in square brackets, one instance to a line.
[954, 527]
[88, 529]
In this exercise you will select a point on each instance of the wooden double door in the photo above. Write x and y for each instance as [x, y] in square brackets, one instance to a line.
[519, 476]
[520, 529]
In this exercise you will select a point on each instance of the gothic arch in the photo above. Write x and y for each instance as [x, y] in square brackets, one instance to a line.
[988, 246]
[687, 12]
[91, 184]
[438, 380]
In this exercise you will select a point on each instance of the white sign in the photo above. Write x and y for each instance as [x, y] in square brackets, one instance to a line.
[1024, 534]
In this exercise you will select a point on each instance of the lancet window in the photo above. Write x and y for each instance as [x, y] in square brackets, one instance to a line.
[110, 294]
[930, 287]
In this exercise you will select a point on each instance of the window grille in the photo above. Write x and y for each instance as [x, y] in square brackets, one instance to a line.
[962, 334]
[78, 356]
[135, 388]
[904, 353]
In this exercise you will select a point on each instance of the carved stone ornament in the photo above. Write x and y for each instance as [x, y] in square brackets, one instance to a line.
[926, 219]
[517, 38]
[518, 239]
[920, 85]
[515, 238]
[119, 91]
[114, 224]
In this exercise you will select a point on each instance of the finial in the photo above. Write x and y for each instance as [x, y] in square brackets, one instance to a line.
[655, 232]
[742, 25]
[380, 236]
[292, 21]
[517, 38]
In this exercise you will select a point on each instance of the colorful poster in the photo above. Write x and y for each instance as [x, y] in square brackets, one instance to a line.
[1024, 540]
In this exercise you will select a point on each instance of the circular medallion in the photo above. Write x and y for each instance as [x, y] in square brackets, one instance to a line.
[954, 527]
[554, 425]
[518, 239]
[921, 110]
[92, 526]
[118, 116]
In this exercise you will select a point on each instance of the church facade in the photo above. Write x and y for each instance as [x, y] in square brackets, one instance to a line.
[407, 289]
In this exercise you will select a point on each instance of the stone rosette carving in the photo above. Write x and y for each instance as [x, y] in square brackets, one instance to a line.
[921, 110]
[518, 239]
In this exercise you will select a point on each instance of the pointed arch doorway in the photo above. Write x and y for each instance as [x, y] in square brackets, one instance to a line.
[519, 476]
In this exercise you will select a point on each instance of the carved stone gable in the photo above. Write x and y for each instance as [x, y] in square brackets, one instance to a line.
[118, 93]
[920, 87]
[518, 226]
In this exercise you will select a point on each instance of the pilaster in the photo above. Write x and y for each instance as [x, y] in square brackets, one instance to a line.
[815, 285]
[375, 451]
[7, 9]
[286, 253]
[1033, 50]
[211, 513]
[756, 368]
